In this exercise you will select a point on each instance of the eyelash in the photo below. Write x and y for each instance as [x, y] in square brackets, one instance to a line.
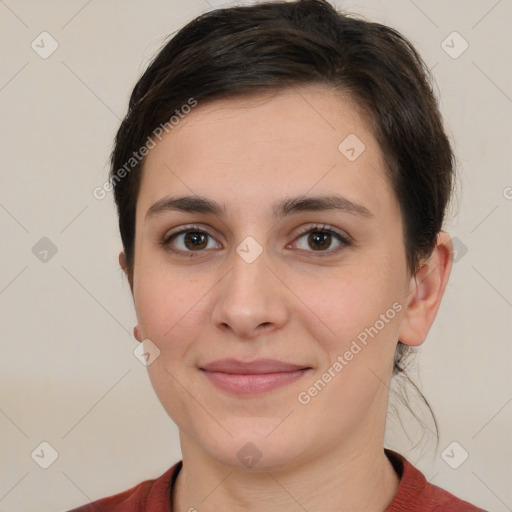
[318, 228]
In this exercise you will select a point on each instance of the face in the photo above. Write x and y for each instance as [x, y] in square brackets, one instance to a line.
[278, 272]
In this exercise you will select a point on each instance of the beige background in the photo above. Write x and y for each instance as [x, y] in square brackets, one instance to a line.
[68, 374]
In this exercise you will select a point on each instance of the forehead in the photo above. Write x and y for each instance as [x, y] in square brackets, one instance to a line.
[244, 151]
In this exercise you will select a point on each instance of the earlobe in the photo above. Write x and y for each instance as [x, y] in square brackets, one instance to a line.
[122, 262]
[136, 333]
[124, 266]
[427, 287]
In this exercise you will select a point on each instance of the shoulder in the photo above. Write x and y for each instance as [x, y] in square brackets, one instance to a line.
[150, 495]
[415, 494]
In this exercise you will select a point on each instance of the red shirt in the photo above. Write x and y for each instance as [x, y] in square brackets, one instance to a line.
[414, 494]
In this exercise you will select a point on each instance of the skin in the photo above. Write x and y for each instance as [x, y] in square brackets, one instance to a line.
[289, 304]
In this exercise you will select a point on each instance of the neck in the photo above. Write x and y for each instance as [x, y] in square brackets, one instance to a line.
[349, 477]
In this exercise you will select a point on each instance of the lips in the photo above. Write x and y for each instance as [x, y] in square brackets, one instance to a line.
[254, 367]
[250, 378]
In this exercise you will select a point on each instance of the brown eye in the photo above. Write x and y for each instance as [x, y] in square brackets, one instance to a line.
[319, 239]
[195, 240]
[189, 241]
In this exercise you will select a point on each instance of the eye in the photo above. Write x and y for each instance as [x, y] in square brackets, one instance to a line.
[189, 240]
[320, 238]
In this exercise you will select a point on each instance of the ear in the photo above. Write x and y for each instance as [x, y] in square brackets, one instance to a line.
[124, 266]
[122, 261]
[426, 291]
[136, 333]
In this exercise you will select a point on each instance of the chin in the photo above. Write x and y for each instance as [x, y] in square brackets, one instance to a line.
[253, 448]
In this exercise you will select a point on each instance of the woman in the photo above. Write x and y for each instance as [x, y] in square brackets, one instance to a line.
[281, 180]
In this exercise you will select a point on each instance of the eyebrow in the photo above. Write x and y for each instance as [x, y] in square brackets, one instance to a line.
[199, 204]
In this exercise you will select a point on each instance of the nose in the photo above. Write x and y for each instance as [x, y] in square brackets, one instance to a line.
[250, 299]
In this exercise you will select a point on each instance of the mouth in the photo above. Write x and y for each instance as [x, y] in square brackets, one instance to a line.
[250, 378]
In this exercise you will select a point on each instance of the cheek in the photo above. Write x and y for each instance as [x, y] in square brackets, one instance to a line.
[359, 305]
[167, 306]
[170, 312]
[164, 295]
[174, 312]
